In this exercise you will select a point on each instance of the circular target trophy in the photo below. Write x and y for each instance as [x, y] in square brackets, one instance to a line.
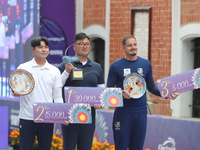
[135, 85]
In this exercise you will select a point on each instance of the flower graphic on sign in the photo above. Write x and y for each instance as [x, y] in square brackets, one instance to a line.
[80, 113]
[111, 97]
[196, 78]
[100, 134]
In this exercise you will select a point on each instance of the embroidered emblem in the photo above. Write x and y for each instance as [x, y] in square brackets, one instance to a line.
[117, 125]
[140, 71]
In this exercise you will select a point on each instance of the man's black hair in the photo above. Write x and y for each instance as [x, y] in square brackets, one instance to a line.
[80, 36]
[36, 41]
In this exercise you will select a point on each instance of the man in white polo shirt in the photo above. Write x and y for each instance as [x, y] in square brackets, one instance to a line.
[48, 88]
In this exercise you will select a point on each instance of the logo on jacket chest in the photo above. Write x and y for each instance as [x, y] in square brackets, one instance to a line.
[128, 71]
[140, 71]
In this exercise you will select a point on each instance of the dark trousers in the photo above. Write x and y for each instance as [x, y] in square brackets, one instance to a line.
[129, 130]
[29, 130]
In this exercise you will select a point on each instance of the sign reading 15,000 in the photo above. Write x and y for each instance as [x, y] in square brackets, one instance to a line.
[59, 112]
[180, 83]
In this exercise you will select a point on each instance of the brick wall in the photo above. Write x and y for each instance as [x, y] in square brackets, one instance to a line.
[190, 11]
[94, 12]
[120, 25]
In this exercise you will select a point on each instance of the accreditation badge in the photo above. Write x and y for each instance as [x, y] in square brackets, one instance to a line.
[127, 71]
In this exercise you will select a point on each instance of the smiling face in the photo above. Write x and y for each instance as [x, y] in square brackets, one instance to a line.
[82, 47]
[130, 48]
[41, 52]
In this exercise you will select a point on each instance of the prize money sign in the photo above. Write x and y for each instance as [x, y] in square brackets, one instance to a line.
[59, 112]
[111, 97]
[180, 83]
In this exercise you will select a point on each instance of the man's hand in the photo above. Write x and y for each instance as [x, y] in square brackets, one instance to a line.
[65, 123]
[173, 96]
[15, 93]
[97, 106]
[69, 67]
[126, 94]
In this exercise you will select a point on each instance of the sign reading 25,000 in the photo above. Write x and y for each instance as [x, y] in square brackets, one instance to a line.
[180, 83]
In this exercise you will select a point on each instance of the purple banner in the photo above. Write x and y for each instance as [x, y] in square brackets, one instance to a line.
[182, 82]
[111, 97]
[166, 133]
[57, 40]
[59, 112]
[66, 21]
[163, 133]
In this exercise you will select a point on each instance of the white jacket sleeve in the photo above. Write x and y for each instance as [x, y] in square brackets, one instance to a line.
[64, 76]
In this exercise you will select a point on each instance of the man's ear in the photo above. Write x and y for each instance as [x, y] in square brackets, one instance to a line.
[32, 49]
[123, 48]
[74, 47]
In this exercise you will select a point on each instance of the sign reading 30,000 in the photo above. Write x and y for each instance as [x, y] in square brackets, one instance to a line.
[111, 97]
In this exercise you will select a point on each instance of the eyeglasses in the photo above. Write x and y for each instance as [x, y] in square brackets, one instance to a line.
[83, 44]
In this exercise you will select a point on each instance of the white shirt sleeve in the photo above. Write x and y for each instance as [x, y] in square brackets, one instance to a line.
[57, 89]
[57, 92]
[101, 85]
[64, 76]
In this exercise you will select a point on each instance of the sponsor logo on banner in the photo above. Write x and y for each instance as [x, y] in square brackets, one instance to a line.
[169, 144]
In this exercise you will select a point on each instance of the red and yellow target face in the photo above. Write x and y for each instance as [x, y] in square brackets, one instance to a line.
[80, 113]
[111, 97]
[82, 117]
[113, 101]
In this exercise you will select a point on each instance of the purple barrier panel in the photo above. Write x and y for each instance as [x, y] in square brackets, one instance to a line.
[4, 127]
[172, 134]
[13, 113]
[103, 129]
[59, 112]
[111, 97]
[182, 82]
